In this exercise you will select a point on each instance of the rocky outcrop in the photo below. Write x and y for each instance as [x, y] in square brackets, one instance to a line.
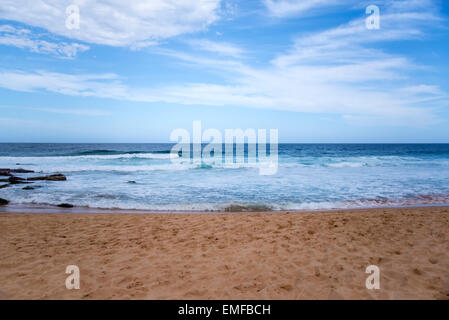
[5, 172]
[12, 179]
[21, 171]
[16, 180]
[65, 205]
[8, 172]
[53, 177]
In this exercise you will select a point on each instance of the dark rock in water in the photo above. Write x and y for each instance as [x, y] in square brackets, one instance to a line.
[65, 205]
[3, 202]
[53, 177]
[28, 188]
[132, 181]
[16, 180]
[4, 185]
[5, 172]
[20, 170]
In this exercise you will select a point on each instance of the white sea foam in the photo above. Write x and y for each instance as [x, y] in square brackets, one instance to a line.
[160, 156]
[347, 164]
[235, 206]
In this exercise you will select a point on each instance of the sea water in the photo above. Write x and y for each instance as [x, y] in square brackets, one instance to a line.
[309, 176]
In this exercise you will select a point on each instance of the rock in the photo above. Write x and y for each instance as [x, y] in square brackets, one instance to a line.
[53, 177]
[5, 172]
[132, 181]
[20, 170]
[65, 205]
[16, 180]
[4, 186]
[27, 188]
[3, 202]
[56, 177]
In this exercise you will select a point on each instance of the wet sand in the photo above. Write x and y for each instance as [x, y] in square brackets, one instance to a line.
[306, 255]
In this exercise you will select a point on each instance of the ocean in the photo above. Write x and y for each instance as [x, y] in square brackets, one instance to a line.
[309, 177]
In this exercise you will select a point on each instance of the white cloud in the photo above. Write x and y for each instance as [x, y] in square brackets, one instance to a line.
[298, 89]
[336, 70]
[116, 22]
[25, 39]
[75, 112]
[222, 48]
[289, 8]
[284, 8]
[101, 85]
[350, 43]
[423, 89]
[340, 71]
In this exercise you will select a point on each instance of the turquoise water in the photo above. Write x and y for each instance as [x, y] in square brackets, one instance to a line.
[309, 176]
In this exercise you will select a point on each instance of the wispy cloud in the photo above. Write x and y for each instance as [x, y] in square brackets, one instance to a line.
[23, 38]
[14, 122]
[221, 48]
[99, 85]
[116, 23]
[90, 112]
[341, 70]
[286, 8]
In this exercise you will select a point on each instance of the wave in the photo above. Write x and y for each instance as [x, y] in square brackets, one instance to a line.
[367, 161]
[259, 207]
[170, 166]
[151, 155]
[428, 152]
[379, 202]
[204, 166]
[164, 160]
[105, 201]
[126, 168]
[112, 152]
[346, 165]
[95, 152]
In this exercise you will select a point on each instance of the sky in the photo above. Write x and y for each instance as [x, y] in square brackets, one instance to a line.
[133, 71]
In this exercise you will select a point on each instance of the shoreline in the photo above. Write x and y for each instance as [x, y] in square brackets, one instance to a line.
[49, 209]
[308, 255]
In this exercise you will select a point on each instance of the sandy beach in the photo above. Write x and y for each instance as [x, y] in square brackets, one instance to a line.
[302, 255]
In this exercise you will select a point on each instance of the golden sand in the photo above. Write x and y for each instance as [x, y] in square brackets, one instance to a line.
[314, 255]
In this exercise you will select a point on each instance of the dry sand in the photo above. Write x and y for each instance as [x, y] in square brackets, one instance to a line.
[316, 255]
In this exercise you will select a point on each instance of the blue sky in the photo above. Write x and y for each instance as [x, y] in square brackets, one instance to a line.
[310, 68]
